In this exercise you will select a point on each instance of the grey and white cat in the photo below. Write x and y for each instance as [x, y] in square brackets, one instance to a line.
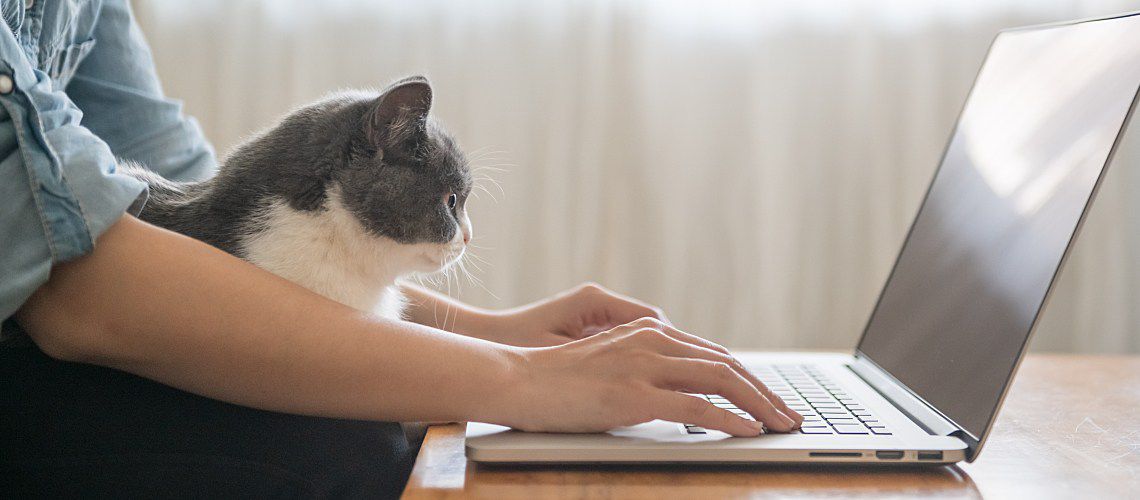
[343, 196]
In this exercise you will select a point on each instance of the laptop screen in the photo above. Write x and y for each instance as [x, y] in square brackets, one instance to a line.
[1021, 166]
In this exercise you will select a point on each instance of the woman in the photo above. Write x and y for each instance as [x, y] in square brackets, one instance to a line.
[137, 361]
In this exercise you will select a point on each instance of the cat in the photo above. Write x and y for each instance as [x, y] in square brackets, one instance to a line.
[344, 197]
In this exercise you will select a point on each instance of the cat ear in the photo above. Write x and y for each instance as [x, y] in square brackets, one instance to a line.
[399, 110]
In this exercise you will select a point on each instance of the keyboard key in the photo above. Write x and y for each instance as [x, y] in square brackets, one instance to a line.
[816, 430]
[850, 429]
[880, 431]
[861, 413]
[693, 429]
[830, 417]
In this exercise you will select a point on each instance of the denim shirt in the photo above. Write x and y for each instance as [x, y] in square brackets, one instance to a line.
[78, 90]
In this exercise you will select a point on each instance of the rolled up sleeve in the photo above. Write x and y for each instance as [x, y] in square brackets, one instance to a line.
[118, 80]
[60, 188]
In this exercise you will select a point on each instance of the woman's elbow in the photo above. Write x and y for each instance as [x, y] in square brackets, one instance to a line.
[60, 331]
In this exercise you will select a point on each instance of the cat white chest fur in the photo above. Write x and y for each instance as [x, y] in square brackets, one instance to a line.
[329, 252]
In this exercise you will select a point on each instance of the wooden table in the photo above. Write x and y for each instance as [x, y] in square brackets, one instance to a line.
[1070, 429]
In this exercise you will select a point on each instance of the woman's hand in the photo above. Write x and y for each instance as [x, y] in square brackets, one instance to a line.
[577, 313]
[636, 373]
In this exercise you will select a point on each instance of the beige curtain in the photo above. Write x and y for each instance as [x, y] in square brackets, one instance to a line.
[752, 167]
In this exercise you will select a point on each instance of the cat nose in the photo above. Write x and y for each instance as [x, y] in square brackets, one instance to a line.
[466, 229]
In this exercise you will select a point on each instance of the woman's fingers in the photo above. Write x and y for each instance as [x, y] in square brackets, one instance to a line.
[713, 377]
[618, 309]
[684, 408]
[676, 343]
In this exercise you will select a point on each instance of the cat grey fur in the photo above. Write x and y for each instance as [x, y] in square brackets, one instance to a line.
[379, 157]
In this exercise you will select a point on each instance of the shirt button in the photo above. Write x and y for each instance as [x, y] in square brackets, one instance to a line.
[6, 84]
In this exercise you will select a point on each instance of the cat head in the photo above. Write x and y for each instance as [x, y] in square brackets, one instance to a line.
[405, 178]
[374, 166]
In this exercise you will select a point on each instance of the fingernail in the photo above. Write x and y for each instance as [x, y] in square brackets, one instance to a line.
[757, 426]
[788, 421]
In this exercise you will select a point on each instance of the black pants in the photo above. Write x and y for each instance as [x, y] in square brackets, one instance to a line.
[75, 430]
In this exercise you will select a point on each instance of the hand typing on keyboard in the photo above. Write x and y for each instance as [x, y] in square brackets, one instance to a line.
[826, 407]
[638, 372]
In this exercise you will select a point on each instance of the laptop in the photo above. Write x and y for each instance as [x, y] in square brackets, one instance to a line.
[952, 322]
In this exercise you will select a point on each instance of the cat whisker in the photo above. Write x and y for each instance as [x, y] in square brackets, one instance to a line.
[475, 264]
[496, 166]
[475, 280]
[447, 312]
[491, 168]
[481, 152]
[489, 156]
[476, 257]
[485, 190]
[485, 150]
[479, 180]
[478, 150]
[458, 293]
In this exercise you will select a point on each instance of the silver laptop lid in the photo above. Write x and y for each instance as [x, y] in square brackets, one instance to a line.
[1022, 165]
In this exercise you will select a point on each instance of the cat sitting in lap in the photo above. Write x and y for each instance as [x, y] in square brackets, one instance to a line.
[343, 197]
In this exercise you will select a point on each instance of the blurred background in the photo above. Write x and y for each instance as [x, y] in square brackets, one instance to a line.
[750, 166]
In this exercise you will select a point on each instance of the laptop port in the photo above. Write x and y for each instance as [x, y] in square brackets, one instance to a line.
[930, 455]
[889, 455]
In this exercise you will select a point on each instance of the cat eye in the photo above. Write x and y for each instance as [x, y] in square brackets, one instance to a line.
[451, 200]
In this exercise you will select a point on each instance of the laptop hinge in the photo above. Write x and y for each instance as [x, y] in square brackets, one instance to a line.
[906, 402]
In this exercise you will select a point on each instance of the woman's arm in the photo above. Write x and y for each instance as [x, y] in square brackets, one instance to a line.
[176, 310]
[431, 308]
[577, 313]
[169, 308]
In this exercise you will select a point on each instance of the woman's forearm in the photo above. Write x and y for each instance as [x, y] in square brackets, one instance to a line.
[431, 308]
[178, 311]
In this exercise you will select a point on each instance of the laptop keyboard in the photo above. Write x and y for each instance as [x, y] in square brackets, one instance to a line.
[826, 407]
